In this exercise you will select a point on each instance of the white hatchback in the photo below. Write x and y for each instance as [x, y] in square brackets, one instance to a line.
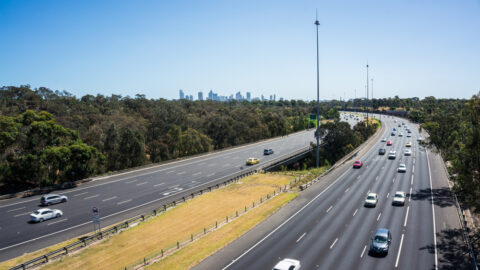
[287, 264]
[402, 168]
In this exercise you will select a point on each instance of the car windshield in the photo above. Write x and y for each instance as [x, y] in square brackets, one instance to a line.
[380, 239]
[398, 195]
[36, 212]
[371, 197]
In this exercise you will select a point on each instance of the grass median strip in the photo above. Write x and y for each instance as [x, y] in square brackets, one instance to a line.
[129, 246]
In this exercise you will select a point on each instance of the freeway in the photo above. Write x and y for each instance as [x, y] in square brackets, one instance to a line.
[124, 195]
[327, 226]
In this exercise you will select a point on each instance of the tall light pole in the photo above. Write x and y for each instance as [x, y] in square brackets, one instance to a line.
[318, 98]
[367, 94]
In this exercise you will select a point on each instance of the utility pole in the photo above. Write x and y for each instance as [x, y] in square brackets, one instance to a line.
[317, 23]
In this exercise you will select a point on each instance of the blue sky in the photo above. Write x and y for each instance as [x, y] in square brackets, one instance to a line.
[414, 48]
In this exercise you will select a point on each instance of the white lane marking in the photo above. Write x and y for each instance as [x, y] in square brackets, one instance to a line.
[11, 210]
[159, 184]
[355, 212]
[413, 169]
[368, 191]
[139, 184]
[433, 213]
[379, 216]
[180, 173]
[22, 214]
[212, 174]
[172, 187]
[124, 202]
[388, 194]
[108, 199]
[393, 180]
[411, 182]
[61, 220]
[406, 217]
[170, 172]
[358, 177]
[410, 197]
[283, 223]
[330, 208]
[198, 173]
[90, 197]
[80, 194]
[399, 251]
[346, 190]
[376, 178]
[334, 242]
[363, 251]
[132, 181]
[301, 236]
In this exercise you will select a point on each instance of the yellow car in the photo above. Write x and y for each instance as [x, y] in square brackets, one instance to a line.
[408, 144]
[252, 161]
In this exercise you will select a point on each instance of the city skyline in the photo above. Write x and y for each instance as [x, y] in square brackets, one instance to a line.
[217, 97]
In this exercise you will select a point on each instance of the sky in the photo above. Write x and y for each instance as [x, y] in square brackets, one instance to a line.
[414, 48]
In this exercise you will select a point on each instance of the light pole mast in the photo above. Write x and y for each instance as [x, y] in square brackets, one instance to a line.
[318, 99]
[367, 94]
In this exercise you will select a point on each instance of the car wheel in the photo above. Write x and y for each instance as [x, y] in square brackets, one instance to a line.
[64, 200]
[40, 220]
[58, 215]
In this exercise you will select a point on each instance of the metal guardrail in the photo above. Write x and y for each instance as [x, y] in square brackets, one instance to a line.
[461, 216]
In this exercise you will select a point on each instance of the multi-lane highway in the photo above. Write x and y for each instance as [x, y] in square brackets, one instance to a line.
[128, 194]
[327, 227]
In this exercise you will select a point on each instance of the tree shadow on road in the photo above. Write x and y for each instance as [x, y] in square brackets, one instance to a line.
[452, 250]
[442, 197]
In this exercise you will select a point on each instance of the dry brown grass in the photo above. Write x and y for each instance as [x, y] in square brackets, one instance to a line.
[201, 249]
[129, 246]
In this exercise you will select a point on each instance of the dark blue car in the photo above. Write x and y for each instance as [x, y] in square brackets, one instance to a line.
[380, 242]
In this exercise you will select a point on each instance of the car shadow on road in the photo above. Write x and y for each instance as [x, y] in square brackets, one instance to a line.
[452, 251]
[441, 196]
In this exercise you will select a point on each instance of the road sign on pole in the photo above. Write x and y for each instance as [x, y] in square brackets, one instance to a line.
[96, 219]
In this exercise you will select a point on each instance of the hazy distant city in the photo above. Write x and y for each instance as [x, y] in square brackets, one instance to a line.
[216, 97]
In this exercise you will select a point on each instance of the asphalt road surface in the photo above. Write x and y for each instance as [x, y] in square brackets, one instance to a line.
[126, 195]
[327, 226]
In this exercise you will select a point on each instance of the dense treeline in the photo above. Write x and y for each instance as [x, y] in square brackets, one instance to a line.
[122, 132]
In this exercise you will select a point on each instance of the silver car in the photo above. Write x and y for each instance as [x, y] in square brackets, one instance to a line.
[402, 168]
[53, 199]
[44, 214]
[287, 264]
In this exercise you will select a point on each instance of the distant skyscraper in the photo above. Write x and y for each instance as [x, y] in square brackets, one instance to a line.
[274, 97]
[200, 95]
[210, 95]
[190, 97]
[249, 96]
[182, 95]
[238, 96]
[271, 97]
[262, 98]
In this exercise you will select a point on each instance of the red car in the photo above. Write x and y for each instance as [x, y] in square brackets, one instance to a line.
[357, 164]
[389, 143]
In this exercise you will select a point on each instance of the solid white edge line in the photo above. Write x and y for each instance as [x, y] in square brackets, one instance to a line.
[283, 223]
[301, 236]
[364, 248]
[433, 213]
[406, 217]
[399, 251]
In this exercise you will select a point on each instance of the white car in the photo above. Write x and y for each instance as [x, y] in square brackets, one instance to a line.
[402, 168]
[287, 264]
[371, 200]
[392, 154]
[44, 214]
[400, 134]
[384, 140]
[409, 135]
[399, 198]
[407, 152]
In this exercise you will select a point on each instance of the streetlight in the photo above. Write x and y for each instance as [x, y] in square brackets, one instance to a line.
[317, 23]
